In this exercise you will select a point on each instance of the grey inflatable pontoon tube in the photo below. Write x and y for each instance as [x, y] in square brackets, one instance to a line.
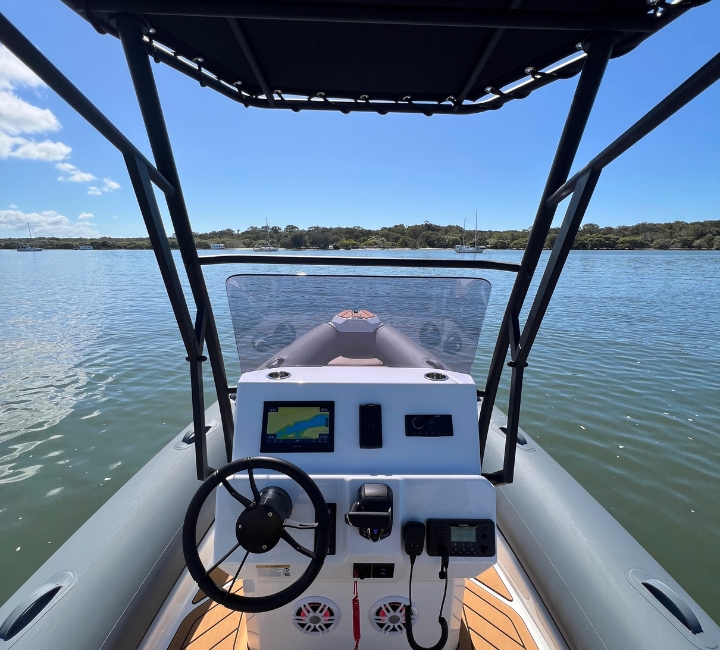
[604, 590]
[116, 571]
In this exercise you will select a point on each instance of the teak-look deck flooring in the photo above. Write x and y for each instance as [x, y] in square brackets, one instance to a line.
[489, 622]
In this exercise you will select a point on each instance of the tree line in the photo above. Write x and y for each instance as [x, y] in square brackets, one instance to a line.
[674, 235]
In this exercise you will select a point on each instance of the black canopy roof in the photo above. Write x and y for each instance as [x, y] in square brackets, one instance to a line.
[427, 56]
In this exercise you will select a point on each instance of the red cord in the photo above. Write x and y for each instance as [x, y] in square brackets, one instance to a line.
[356, 616]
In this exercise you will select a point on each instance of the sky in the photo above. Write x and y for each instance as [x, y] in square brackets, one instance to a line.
[242, 166]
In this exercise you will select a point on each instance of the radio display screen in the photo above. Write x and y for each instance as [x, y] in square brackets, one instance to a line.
[298, 427]
[463, 534]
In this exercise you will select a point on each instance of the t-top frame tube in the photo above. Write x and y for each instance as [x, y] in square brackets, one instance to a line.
[599, 50]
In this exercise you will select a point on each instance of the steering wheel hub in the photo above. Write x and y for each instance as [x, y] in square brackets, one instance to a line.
[258, 529]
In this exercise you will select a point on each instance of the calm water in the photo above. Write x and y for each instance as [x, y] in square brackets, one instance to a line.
[623, 389]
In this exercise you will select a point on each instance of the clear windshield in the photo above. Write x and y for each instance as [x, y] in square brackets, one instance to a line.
[286, 320]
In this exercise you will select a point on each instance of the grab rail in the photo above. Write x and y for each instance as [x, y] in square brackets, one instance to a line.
[674, 604]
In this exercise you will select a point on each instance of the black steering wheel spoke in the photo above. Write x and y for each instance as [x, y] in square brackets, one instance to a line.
[253, 487]
[300, 525]
[221, 560]
[297, 546]
[235, 494]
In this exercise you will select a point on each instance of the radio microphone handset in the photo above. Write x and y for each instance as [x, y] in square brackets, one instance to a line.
[414, 542]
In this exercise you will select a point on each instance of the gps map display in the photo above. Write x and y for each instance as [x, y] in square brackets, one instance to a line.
[297, 426]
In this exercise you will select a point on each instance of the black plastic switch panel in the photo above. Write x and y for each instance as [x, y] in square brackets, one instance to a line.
[362, 571]
[383, 570]
[370, 426]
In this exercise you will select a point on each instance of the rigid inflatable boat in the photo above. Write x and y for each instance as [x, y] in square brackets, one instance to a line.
[354, 488]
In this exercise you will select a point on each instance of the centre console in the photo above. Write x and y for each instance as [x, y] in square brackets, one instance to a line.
[387, 447]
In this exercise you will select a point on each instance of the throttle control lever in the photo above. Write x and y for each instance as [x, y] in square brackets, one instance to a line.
[371, 514]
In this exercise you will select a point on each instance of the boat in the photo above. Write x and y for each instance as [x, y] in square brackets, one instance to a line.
[266, 248]
[217, 247]
[354, 488]
[29, 248]
[83, 247]
[462, 248]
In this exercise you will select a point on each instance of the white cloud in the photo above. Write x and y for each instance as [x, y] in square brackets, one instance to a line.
[110, 185]
[14, 72]
[46, 151]
[85, 215]
[18, 117]
[48, 223]
[73, 174]
[12, 206]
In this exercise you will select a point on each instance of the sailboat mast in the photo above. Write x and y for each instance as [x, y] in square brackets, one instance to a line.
[475, 227]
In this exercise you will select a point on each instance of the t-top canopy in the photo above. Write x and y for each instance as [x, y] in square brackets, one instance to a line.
[423, 56]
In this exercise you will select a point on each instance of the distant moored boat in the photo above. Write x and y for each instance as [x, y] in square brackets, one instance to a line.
[462, 248]
[27, 248]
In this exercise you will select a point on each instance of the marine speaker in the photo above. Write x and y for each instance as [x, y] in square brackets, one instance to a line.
[316, 615]
[387, 615]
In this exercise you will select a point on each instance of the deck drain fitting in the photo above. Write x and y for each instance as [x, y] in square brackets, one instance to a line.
[278, 374]
[315, 615]
[388, 615]
[435, 376]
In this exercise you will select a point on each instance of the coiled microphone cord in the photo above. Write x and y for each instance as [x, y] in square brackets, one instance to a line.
[441, 619]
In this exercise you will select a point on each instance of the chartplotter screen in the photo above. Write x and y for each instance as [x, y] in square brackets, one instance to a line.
[297, 427]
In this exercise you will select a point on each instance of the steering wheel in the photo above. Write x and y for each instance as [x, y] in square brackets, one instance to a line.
[258, 529]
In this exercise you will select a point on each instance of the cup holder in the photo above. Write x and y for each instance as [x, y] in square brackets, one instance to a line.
[436, 376]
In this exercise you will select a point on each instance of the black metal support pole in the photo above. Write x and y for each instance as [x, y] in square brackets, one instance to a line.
[693, 86]
[521, 342]
[131, 35]
[250, 56]
[599, 50]
[484, 57]
[198, 407]
[560, 251]
[140, 180]
[192, 336]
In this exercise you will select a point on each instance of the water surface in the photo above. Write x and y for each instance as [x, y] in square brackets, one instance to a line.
[622, 389]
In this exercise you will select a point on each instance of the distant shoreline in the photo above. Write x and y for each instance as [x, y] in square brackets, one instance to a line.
[341, 250]
[677, 235]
